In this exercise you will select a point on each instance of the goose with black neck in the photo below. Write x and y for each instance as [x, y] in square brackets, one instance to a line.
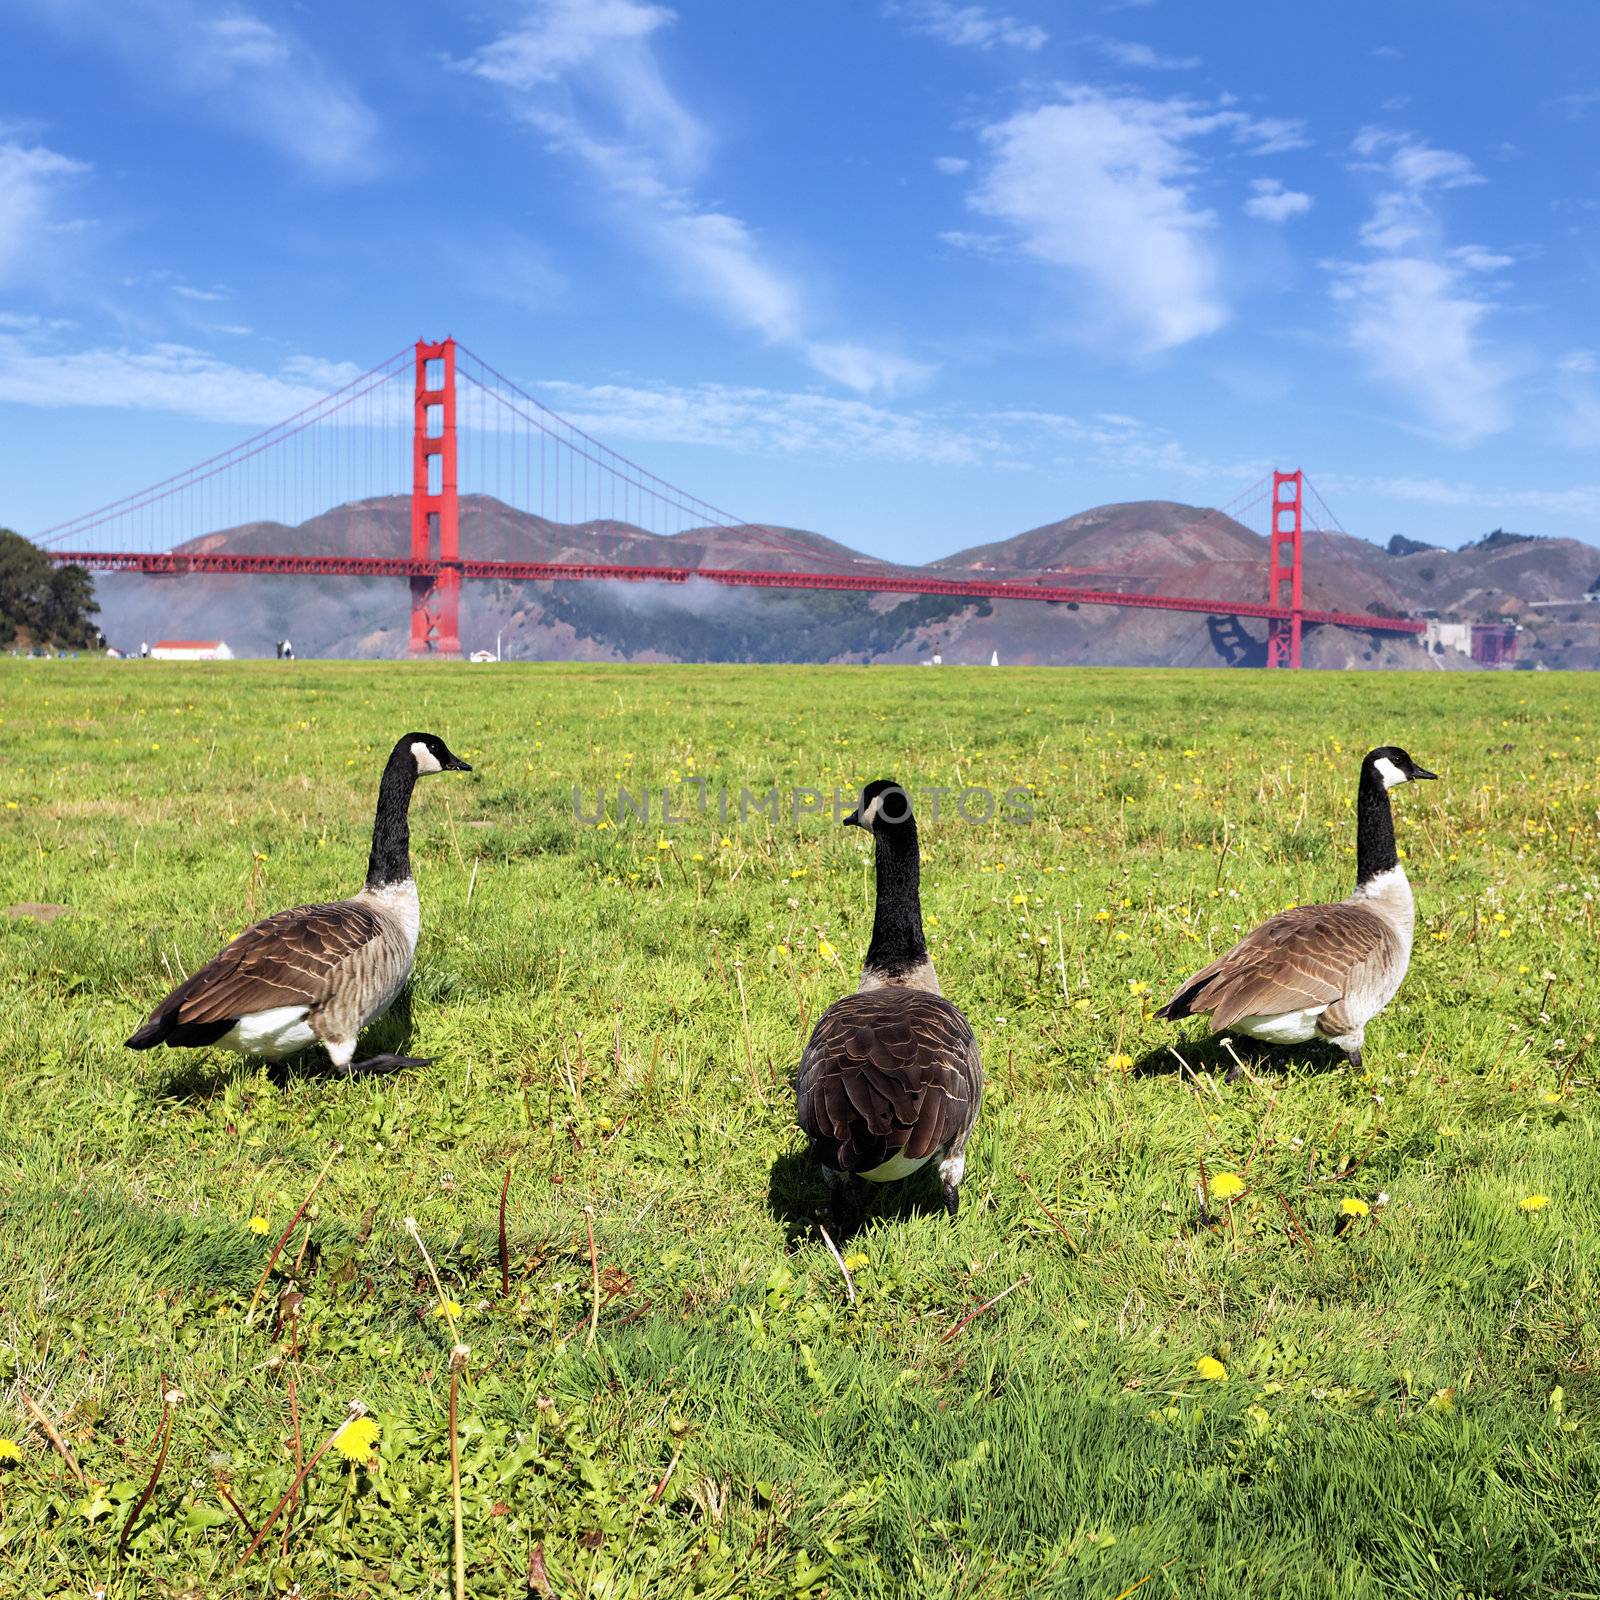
[318, 974]
[891, 1078]
[1322, 971]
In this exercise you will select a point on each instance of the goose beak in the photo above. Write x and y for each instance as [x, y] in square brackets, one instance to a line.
[456, 764]
[1422, 772]
[853, 820]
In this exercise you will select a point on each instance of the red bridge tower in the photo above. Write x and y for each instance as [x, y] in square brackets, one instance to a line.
[435, 514]
[1283, 567]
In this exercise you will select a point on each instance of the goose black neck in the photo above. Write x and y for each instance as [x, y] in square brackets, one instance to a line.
[390, 861]
[1375, 850]
[897, 943]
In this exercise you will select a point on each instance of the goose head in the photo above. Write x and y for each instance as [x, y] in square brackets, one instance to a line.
[431, 754]
[885, 809]
[1392, 766]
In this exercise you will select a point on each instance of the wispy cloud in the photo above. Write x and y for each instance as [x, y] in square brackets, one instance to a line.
[246, 72]
[1488, 504]
[33, 180]
[768, 422]
[968, 27]
[171, 378]
[1416, 309]
[584, 73]
[1103, 185]
[1270, 202]
[1141, 57]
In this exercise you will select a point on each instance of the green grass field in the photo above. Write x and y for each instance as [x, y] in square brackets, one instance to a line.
[1410, 1404]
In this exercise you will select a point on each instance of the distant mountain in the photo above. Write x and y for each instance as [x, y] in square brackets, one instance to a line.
[1140, 547]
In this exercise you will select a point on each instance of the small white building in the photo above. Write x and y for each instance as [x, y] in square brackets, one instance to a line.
[190, 650]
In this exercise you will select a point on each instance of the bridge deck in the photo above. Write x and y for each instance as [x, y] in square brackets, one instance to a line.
[173, 564]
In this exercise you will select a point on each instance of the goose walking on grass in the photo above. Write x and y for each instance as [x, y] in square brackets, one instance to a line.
[1322, 971]
[321, 973]
[891, 1078]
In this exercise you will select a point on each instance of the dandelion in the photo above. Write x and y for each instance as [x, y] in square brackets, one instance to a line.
[10, 1450]
[1227, 1186]
[447, 1308]
[1102, 915]
[357, 1440]
[1354, 1208]
[1211, 1370]
[1137, 986]
[1533, 1202]
[855, 1260]
[826, 950]
[1119, 1062]
[663, 844]
[260, 1225]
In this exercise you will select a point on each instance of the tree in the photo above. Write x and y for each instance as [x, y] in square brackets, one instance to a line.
[51, 605]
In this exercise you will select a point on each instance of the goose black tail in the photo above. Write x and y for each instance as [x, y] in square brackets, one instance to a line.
[1181, 1004]
[164, 1028]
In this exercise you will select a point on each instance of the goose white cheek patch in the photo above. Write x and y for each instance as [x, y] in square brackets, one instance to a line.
[425, 759]
[1389, 772]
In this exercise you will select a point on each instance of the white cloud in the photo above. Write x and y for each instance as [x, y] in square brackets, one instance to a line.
[1103, 185]
[1140, 56]
[1487, 503]
[32, 179]
[188, 292]
[1580, 363]
[757, 421]
[1419, 327]
[171, 378]
[246, 72]
[1415, 310]
[968, 27]
[584, 74]
[952, 166]
[1271, 202]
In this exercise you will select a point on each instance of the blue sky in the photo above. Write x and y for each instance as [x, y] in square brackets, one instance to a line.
[909, 272]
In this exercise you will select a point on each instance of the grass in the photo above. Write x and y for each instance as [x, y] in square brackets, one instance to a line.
[1410, 1406]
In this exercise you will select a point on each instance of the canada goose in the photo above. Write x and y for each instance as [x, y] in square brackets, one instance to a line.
[322, 972]
[891, 1078]
[1322, 971]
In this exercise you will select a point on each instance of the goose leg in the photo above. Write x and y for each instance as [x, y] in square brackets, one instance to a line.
[950, 1171]
[382, 1063]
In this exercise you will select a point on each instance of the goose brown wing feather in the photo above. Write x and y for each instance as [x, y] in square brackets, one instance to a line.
[291, 958]
[1298, 959]
[887, 1070]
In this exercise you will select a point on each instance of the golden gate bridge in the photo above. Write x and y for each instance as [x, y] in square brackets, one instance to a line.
[441, 422]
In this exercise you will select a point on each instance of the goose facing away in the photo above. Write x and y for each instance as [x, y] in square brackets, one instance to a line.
[319, 973]
[891, 1079]
[1322, 971]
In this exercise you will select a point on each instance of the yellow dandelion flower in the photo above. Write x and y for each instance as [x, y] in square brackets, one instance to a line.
[10, 1450]
[1119, 1063]
[855, 1260]
[357, 1440]
[260, 1225]
[1211, 1370]
[1138, 986]
[663, 844]
[1533, 1202]
[1227, 1186]
[826, 950]
[1102, 915]
[1354, 1208]
[447, 1308]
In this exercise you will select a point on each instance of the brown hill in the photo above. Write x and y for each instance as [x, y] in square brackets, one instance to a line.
[1137, 547]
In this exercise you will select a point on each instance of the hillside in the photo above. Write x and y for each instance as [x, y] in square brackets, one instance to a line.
[1148, 547]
